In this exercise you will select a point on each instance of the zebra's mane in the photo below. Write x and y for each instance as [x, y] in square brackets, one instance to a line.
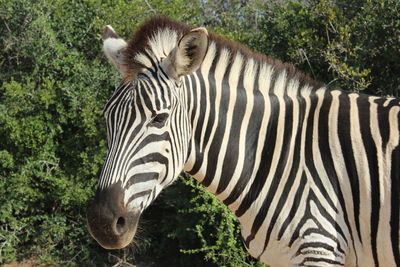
[156, 38]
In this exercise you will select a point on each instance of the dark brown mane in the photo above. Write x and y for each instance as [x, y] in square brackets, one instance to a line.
[140, 38]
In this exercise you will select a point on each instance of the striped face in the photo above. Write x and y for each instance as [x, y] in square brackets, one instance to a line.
[148, 136]
[146, 152]
[144, 122]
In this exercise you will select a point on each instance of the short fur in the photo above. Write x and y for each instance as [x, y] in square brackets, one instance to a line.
[139, 42]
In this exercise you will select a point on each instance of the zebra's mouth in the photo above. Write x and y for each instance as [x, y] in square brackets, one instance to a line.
[110, 223]
[115, 235]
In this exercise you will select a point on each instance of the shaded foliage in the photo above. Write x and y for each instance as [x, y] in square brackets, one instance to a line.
[350, 45]
[54, 81]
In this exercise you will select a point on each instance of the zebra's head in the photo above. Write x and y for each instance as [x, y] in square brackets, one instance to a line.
[148, 129]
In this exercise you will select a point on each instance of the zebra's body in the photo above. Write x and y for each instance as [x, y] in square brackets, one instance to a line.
[312, 173]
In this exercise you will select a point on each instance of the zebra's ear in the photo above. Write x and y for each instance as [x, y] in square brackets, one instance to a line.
[114, 47]
[187, 57]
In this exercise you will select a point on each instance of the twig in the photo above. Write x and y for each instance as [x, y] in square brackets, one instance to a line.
[150, 7]
[121, 262]
[308, 62]
[76, 255]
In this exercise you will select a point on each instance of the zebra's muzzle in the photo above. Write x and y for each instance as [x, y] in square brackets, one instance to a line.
[111, 223]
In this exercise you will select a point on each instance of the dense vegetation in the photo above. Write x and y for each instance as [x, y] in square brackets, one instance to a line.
[54, 81]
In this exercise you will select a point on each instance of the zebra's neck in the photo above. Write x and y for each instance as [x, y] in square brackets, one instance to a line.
[236, 103]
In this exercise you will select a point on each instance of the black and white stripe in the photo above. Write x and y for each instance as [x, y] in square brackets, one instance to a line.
[312, 173]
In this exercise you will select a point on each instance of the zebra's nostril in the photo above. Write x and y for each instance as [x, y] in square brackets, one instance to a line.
[120, 226]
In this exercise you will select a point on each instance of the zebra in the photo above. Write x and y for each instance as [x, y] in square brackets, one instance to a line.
[311, 172]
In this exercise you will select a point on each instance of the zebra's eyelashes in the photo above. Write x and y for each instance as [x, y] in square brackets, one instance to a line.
[159, 119]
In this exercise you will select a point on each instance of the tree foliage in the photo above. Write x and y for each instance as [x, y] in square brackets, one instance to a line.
[54, 82]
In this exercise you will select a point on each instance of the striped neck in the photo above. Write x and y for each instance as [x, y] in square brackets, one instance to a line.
[234, 102]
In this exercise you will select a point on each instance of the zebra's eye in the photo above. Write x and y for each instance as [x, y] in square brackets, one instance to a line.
[159, 118]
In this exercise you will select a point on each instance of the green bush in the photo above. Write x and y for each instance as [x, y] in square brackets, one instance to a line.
[52, 87]
[349, 45]
[194, 228]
